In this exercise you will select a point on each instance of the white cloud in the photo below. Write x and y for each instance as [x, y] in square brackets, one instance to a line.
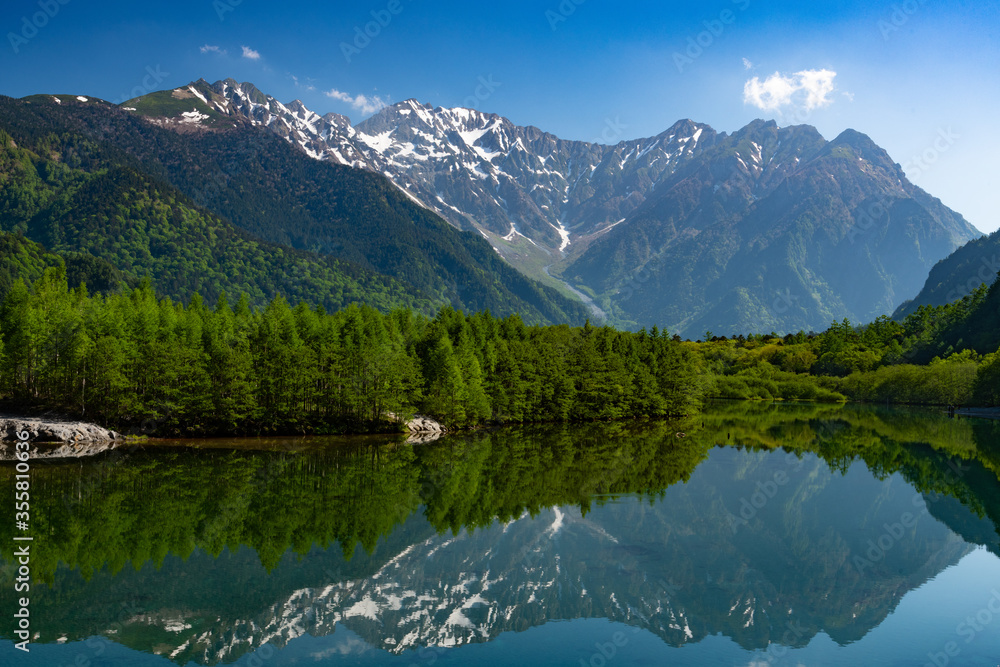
[363, 103]
[747, 64]
[210, 48]
[250, 54]
[307, 85]
[809, 89]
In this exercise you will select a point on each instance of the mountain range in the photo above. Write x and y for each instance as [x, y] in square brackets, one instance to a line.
[693, 230]
[240, 212]
[767, 228]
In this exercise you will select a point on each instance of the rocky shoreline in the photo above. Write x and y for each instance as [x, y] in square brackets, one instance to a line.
[423, 429]
[54, 437]
[59, 438]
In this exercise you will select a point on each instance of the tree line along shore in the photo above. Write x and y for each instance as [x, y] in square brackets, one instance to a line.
[139, 363]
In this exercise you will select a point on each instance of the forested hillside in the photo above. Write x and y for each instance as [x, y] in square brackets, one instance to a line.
[23, 259]
[256, 181]
[958, 275]
[132, 226]
[128, 359]
[942, 355]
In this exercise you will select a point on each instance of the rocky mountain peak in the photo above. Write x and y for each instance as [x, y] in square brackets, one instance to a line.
[585, 216]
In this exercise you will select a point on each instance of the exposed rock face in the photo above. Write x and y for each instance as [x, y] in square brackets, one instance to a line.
[421, 424]
[423, 430]
[55, 438]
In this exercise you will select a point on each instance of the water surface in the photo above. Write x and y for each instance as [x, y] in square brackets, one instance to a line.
[795, 534]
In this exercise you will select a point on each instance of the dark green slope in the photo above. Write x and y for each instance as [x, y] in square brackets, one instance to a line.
[22, 258]
[957, 275]
[115, 218]
[970, 323]
[265, 186]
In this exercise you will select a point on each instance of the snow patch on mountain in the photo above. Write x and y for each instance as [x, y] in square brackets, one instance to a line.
[475, 169]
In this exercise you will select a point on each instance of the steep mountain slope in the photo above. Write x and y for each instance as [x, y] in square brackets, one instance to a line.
[484, 171]
[116, 225]
[973, 323]
[766, 229]
[477, 170]
[957, 275]
[772, 229]
[263, 185]
[531, 194]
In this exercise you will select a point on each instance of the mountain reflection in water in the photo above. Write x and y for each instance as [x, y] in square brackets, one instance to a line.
[766, 530]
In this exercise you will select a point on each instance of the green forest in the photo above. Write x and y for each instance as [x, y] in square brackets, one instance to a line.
[938, 355]
[131, 360]
[113, 225]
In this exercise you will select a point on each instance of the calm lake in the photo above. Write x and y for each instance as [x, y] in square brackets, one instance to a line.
[766, 535]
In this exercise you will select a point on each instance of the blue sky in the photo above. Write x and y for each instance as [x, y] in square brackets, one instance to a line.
[919, 77]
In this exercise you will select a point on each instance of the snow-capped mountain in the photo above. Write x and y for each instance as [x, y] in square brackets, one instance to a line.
[481, 170]
[327, 137]
[684, 568]
[731, 233]
[476, 170]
